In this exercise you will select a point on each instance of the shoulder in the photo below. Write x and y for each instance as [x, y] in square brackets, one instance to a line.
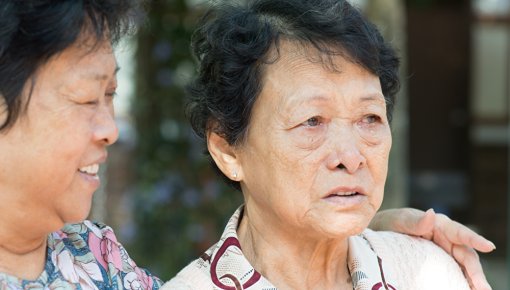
[418, 263]
[195, 276]
[87, 228]
[96, 244]
[97, 238]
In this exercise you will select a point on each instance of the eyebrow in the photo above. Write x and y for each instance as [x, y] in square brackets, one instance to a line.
[367, 98]
[371, 98]
[102, 77]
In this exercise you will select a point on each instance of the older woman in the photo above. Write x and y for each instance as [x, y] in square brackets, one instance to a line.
[57, 81]
[294, 100]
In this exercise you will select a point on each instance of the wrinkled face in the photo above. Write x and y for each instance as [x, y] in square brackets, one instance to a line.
[316, 154]
[50, 157]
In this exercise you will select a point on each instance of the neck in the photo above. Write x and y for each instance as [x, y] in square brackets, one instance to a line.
[23, 237]
[290, 260]
[24, 259]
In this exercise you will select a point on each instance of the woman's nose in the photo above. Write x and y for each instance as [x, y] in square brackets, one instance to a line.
[346, 154]
[105, 130]
[351, 161]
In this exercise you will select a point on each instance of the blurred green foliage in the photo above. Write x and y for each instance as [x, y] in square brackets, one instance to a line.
[181, 206]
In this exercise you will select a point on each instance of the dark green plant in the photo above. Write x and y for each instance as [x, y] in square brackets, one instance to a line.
[181, 205]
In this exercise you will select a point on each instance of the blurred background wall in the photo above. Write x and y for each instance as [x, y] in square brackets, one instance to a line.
[451, 130]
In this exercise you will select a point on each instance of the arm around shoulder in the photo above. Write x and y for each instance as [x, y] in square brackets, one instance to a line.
[417, 263]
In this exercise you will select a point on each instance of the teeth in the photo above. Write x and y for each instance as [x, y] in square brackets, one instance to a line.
[346, 193]
[91, 169]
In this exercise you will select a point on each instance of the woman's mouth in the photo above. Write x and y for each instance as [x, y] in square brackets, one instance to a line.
[89, 174]
[346, 199]
[90, 169]
[343, 194]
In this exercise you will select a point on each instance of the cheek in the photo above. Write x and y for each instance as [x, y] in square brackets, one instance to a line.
[280, 168]
[301, 165]
[377, 153]
[65, 147]
[374, 134]
[378, 159]
[378, 166]
[308, 139]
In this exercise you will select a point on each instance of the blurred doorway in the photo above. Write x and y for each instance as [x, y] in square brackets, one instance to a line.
[458, 102]
[439, 72]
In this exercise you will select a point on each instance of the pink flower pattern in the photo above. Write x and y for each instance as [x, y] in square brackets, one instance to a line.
[106, 249]
[86, 256]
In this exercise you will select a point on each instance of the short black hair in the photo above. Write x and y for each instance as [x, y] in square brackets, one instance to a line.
[232, 45]
[32, 31]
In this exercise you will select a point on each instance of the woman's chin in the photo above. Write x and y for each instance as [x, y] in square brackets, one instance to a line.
[346, 225]
[77, 214]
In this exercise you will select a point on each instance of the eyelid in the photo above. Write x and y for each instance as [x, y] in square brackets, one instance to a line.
[319, 121]
[92, 102]
[376, 116]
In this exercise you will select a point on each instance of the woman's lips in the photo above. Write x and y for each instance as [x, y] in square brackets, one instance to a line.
[346, 196]
[349, 193]
[346, 191]
[345, 200]
[89, 174]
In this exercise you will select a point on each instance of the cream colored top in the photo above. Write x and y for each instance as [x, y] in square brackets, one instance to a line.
[401, 262]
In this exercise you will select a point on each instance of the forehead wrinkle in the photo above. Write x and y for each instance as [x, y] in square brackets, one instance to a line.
[296, 59]
[373, 98]
[100, 76]
[305, 99]
[292, 59]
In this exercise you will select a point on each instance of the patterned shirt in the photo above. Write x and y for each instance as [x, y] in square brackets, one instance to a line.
[85, 256]
[224, 266]
[376, 261]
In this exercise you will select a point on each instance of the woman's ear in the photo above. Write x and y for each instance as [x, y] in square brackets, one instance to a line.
[224, 155]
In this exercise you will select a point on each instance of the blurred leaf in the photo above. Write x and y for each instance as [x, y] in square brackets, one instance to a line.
[181, 206]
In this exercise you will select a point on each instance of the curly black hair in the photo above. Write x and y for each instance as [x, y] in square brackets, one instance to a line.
[233, 43]
[32, 31]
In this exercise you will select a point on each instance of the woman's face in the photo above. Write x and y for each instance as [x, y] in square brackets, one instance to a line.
[316, 154]
[50, 157]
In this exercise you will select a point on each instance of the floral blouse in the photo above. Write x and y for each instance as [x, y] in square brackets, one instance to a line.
[85, 256]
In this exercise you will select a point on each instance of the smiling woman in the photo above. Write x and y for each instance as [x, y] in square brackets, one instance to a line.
[64, 134]
[57, 82]
[293, 101]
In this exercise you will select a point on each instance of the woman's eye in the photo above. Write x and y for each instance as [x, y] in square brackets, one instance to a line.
[312, 122]
[371, 119]
[91, 102]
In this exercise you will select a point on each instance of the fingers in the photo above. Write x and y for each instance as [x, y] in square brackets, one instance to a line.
[408, 221]
[456, 239]
[459, 234]
[425, 225]
[384, 220]
[460, 242]
[468, 258]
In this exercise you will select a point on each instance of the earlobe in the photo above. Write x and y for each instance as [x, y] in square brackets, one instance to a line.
[224, 155]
